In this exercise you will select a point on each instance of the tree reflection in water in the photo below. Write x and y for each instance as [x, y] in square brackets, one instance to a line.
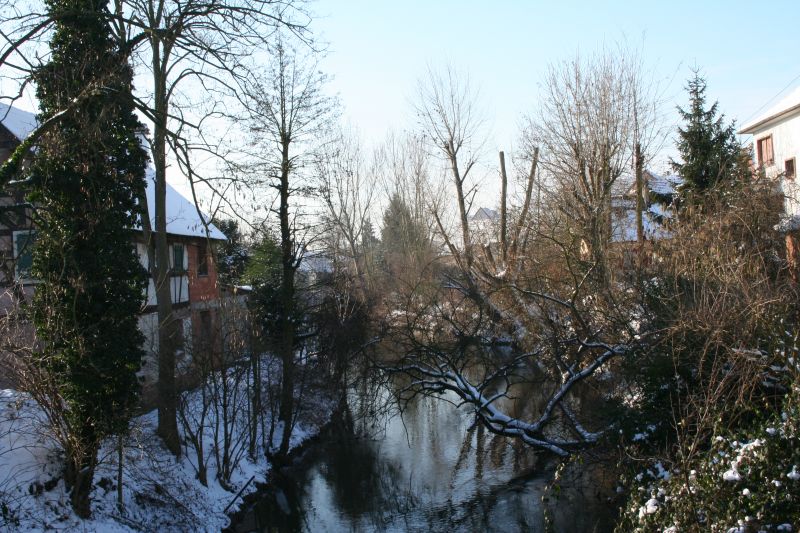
[433, 469]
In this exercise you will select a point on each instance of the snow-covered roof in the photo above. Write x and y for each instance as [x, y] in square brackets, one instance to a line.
[182, 216]
[484, 213]
[658, 184]
[20, 123]
[317, 262]
[788, 104]
[666, 185]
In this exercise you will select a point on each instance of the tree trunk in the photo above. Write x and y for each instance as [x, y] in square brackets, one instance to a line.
[503, 206]
[168, 326]
[78, 476]
[462, 207]
[287, 307]
[639, 196]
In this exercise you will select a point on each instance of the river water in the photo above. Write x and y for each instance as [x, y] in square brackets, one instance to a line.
[429, 468]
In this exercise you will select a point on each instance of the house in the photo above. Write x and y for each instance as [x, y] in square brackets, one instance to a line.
[776, 150]
[484, 224]
[660, 193]
[194, 287]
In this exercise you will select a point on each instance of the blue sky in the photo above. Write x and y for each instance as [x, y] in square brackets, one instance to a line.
[748, 51]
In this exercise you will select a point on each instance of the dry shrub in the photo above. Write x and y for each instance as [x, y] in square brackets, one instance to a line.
[720, 300]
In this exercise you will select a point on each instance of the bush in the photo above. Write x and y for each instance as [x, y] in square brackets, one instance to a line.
[745, 481]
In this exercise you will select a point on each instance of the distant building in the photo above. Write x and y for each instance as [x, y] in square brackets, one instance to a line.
[484, 226]
[193, 278]
[660, 193]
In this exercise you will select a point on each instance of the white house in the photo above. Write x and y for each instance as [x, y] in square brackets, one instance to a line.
[485, 224]
[776, 150]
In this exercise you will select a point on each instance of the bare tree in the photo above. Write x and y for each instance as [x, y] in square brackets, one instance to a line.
[205, 42]
[593, 114]
[449, 117]
[289, 113]
[518, 314]
[348, 189]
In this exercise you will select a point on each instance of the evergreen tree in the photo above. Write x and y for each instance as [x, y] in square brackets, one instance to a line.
[708, 148]
[401, 233]
[404, 240]
[232, 254]
[368, 239]
[86, 174]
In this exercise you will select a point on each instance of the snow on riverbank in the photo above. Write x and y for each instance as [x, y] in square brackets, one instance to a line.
[160, 493]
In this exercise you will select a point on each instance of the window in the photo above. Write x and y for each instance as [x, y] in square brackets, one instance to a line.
[789, 169]
[202, 259]
[12, 216]
[177, 258]
[23, 254]
[766, 157]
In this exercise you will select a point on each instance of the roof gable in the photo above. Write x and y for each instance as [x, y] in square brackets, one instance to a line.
[484, 213]
[20, 123]
[182, 215]
[790, 103]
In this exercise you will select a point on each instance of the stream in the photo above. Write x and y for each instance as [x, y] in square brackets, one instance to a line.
[428, 469]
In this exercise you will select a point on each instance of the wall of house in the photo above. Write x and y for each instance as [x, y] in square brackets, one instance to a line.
[148, 374]
[12, 218]
[202, 287]
[785, 145]
[196, 300]
[179, 280]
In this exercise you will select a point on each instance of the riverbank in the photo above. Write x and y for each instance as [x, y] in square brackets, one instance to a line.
[159, 492]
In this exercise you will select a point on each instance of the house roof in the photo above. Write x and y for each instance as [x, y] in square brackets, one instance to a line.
[790, 103]
[661, 185]
[182, 215]
[665, 185]
[484, 213]
[317, 262]
[20, 123]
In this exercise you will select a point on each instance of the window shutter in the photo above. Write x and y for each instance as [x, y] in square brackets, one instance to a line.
[770, 154]
[23, 243]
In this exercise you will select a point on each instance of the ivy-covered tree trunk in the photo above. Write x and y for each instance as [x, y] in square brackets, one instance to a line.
[86, 174]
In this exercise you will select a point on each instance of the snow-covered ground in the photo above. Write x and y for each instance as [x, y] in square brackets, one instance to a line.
[160, 493]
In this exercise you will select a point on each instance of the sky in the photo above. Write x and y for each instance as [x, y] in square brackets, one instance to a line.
[748, 52]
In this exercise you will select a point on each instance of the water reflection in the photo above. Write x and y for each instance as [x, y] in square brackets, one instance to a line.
[431, 469]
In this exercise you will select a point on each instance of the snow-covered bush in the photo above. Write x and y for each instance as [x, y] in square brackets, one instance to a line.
[745, 481]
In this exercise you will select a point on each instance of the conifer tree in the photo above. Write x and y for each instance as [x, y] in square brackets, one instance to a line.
[707, 146]
[85, 175]
[401, 233]
[404, 240]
